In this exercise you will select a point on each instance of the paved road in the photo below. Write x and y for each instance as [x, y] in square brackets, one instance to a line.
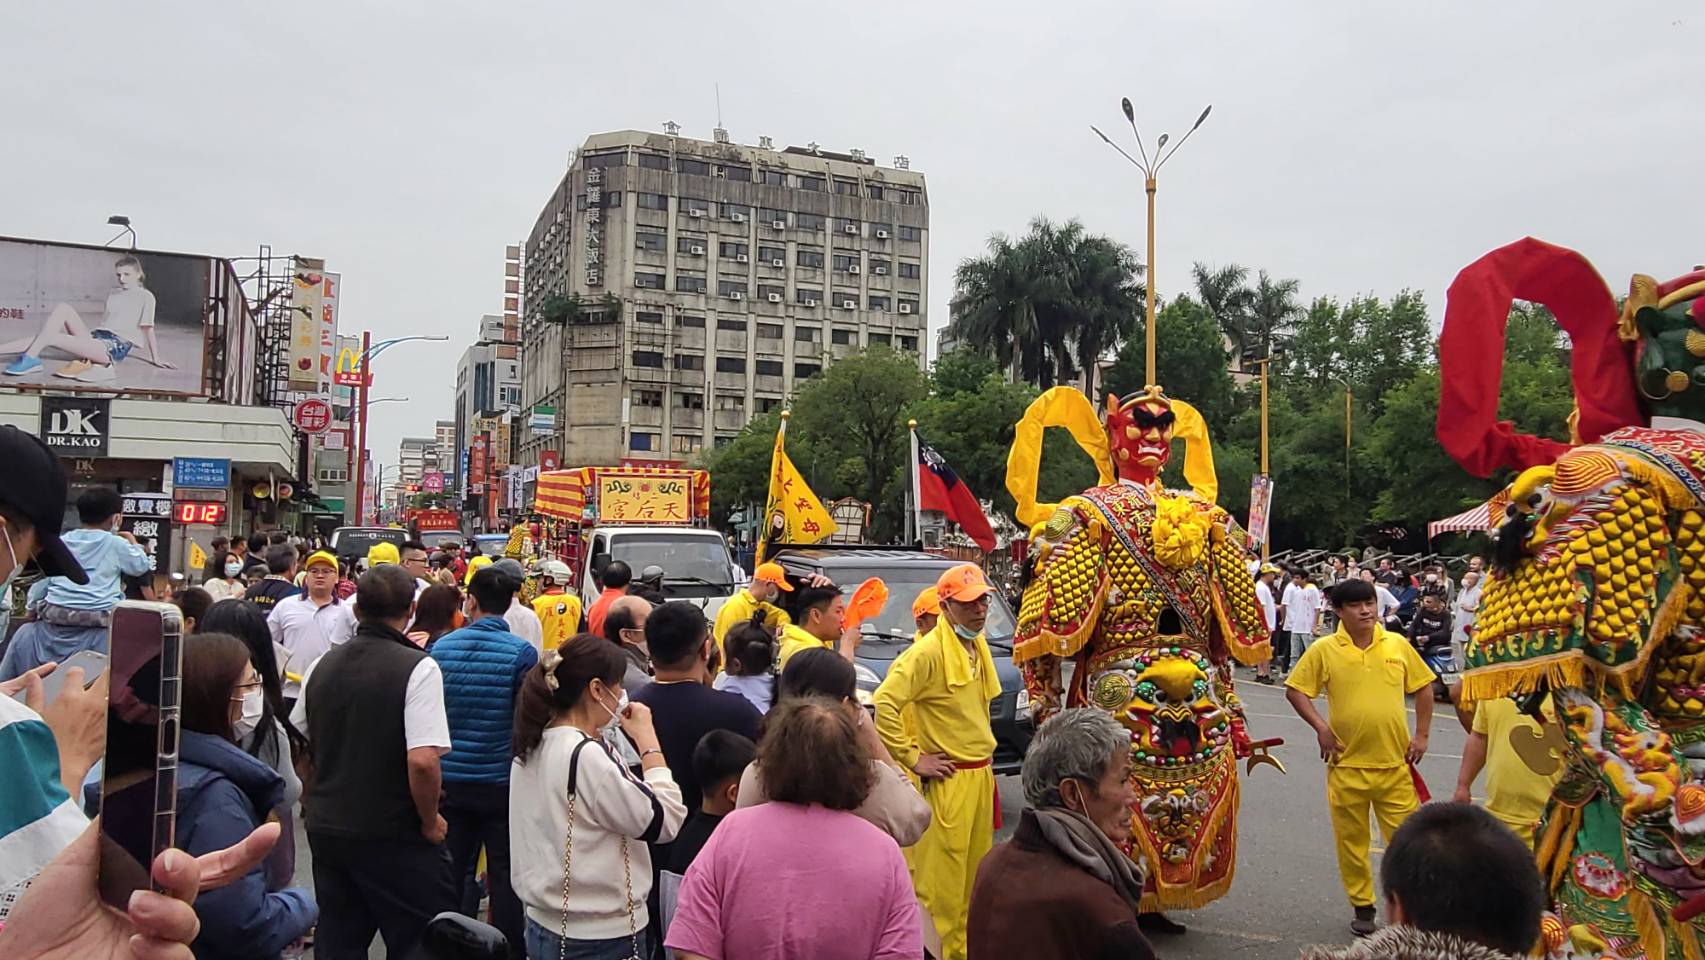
[1286, 894]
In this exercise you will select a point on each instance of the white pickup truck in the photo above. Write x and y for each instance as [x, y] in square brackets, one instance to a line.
[695, 560]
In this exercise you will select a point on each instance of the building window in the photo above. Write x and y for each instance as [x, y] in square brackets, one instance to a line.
[686, 284]
[648, 398]
[843, 337]
[642, 441]
[880, 340]
[878, 266]
[849, 228]
[617, 159]
[686, 443]
[768, 290]
[689, 361]
[910, 271]
[845, 262]
[845, 187]
[334, 475]
[771, 216]
[733, 211]
[723, 440]
[873, 191]
[806, 296]
[769, 368]
[775, 178]
[766, 404]
[689, 400]
[909, 344]
[730, 364]
[881, 231]
[693, 206]
[769, 331]
[802, 371]
[809, 221]
[731, 324]
[908, 197]
[653, 161]
[770, 255]
[739, 173]
[648, 316]
[613, 199]
[698, 167]
[682, 320]
[730, 251]
[913, 234]
[908, 305]
[880, 304]
[652, 201]
[648, 281]
[729, 288]
[651, 242]
[809, 258]
[844, 300]
[730, 401]
[810, 182]
[806, 334]
[692, 246]
[648, 358]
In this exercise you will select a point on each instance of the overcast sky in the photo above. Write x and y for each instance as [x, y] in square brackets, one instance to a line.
[1358, 147]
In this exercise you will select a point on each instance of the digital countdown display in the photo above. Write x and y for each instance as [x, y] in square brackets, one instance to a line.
[199, 512]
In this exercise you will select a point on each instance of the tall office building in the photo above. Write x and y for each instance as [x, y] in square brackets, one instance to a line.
[444, 439]
[673, 287]
[416, 456]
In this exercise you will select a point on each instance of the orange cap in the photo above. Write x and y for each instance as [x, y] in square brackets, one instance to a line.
[773, 573]
[963, 583]
[928, 601]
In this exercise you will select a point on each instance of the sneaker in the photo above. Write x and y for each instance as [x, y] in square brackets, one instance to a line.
[25, 364]
[98, 373]
[73, 369]
[1364, 924]
[1153, 923]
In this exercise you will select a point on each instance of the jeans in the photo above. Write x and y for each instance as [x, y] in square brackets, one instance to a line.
[544, 944]
[1299, 645]
[478, 816]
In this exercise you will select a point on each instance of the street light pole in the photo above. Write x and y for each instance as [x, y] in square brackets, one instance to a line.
[369, 351]
[1264, 362]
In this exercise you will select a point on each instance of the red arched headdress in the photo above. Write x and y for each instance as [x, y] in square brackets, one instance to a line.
[1471, 354]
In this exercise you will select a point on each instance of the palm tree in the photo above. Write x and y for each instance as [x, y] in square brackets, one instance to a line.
[994, 309]
[1273, 311]
[1225, 294]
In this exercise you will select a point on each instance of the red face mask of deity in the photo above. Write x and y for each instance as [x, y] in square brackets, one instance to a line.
[1140, 430]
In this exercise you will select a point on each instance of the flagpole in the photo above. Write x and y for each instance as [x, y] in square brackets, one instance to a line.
[917, 493]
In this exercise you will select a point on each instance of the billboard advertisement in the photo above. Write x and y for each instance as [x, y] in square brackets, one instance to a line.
[305, 306]
[330, 284]
[92, 318]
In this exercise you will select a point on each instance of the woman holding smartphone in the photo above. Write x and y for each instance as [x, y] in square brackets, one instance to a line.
[224, 794]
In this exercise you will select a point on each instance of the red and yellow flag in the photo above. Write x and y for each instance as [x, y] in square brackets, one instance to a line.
[792, 513]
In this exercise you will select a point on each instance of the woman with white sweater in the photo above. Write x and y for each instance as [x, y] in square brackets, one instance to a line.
[579, 821]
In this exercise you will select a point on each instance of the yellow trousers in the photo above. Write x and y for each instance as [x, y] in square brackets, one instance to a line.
[944, 861]
[1350, 792]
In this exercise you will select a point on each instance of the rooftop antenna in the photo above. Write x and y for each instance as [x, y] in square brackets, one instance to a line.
[719, 135]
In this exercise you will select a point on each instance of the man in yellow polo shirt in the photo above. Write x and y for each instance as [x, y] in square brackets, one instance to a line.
[769, 581]
[932, 712]
[1515, 794]
[926, 610]
[821, 613]
[1365, 671]
[558, 610]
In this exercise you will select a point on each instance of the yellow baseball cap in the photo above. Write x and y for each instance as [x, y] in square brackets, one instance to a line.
[928, 601]
[383, 553]
[320, 556]
[773, 573]
[963, 583]
[474, 566]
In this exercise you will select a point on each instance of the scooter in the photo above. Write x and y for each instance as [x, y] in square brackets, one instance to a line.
[1442, 661]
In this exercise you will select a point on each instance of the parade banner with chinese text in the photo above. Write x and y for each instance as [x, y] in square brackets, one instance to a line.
[644, 499]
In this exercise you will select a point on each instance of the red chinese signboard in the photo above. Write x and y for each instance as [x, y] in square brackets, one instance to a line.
[313, 416]
[549, 459]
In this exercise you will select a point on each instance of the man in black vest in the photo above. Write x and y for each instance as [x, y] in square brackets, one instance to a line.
[374, 712]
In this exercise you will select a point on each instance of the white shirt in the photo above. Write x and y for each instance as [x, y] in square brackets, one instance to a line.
[308, 631]
[1264, 594]
[611, 806]
[128, 312]
[524, 623]
[425, 724]
[1386, 601]
[1301, 606]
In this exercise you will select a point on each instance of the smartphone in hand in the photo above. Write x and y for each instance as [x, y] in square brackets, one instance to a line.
[139, 772]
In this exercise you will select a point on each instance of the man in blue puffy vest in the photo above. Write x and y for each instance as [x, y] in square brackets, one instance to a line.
[483, 666]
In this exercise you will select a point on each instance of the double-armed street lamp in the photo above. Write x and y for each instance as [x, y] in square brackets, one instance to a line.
[358, 455]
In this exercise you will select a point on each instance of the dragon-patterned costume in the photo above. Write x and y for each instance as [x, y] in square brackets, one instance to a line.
[1139, 601]
[1598, 596]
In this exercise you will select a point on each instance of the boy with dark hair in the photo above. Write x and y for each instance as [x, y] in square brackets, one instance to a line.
[1365, 671]
[1457, 884]
[718, 761]
[817, 623]
[254, 563]
[280, 580]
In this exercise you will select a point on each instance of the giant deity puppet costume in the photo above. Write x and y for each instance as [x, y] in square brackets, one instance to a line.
[1596, 601]
[1138, 601]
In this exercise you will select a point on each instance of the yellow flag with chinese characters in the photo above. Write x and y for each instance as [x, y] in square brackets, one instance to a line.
[792, 513]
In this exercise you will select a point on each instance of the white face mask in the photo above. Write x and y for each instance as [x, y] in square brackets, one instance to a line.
[232, 569]
[610, 726]
[253, 706]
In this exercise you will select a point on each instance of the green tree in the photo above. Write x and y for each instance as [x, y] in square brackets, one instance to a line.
[1224, 292]
[1191, 361]
[855, 411]
[740, 470]
[961, 371]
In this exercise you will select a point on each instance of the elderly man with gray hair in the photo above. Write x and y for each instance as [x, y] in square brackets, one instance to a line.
[1062, 887]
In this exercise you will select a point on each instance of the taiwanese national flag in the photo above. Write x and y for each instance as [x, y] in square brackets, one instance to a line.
[939, 488]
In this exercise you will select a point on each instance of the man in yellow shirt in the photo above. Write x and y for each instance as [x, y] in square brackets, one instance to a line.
[926, 610]
[822, 610]
[558, 610]
[1365, 671]
[932, 712]
[1515, 794]
[769, 581]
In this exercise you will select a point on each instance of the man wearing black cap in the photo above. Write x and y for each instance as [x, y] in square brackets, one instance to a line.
[32, 507]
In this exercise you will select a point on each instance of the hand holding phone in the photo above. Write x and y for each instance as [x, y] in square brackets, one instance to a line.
[139, 774]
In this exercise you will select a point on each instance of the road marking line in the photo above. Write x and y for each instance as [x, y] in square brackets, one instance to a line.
[1238, 934]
